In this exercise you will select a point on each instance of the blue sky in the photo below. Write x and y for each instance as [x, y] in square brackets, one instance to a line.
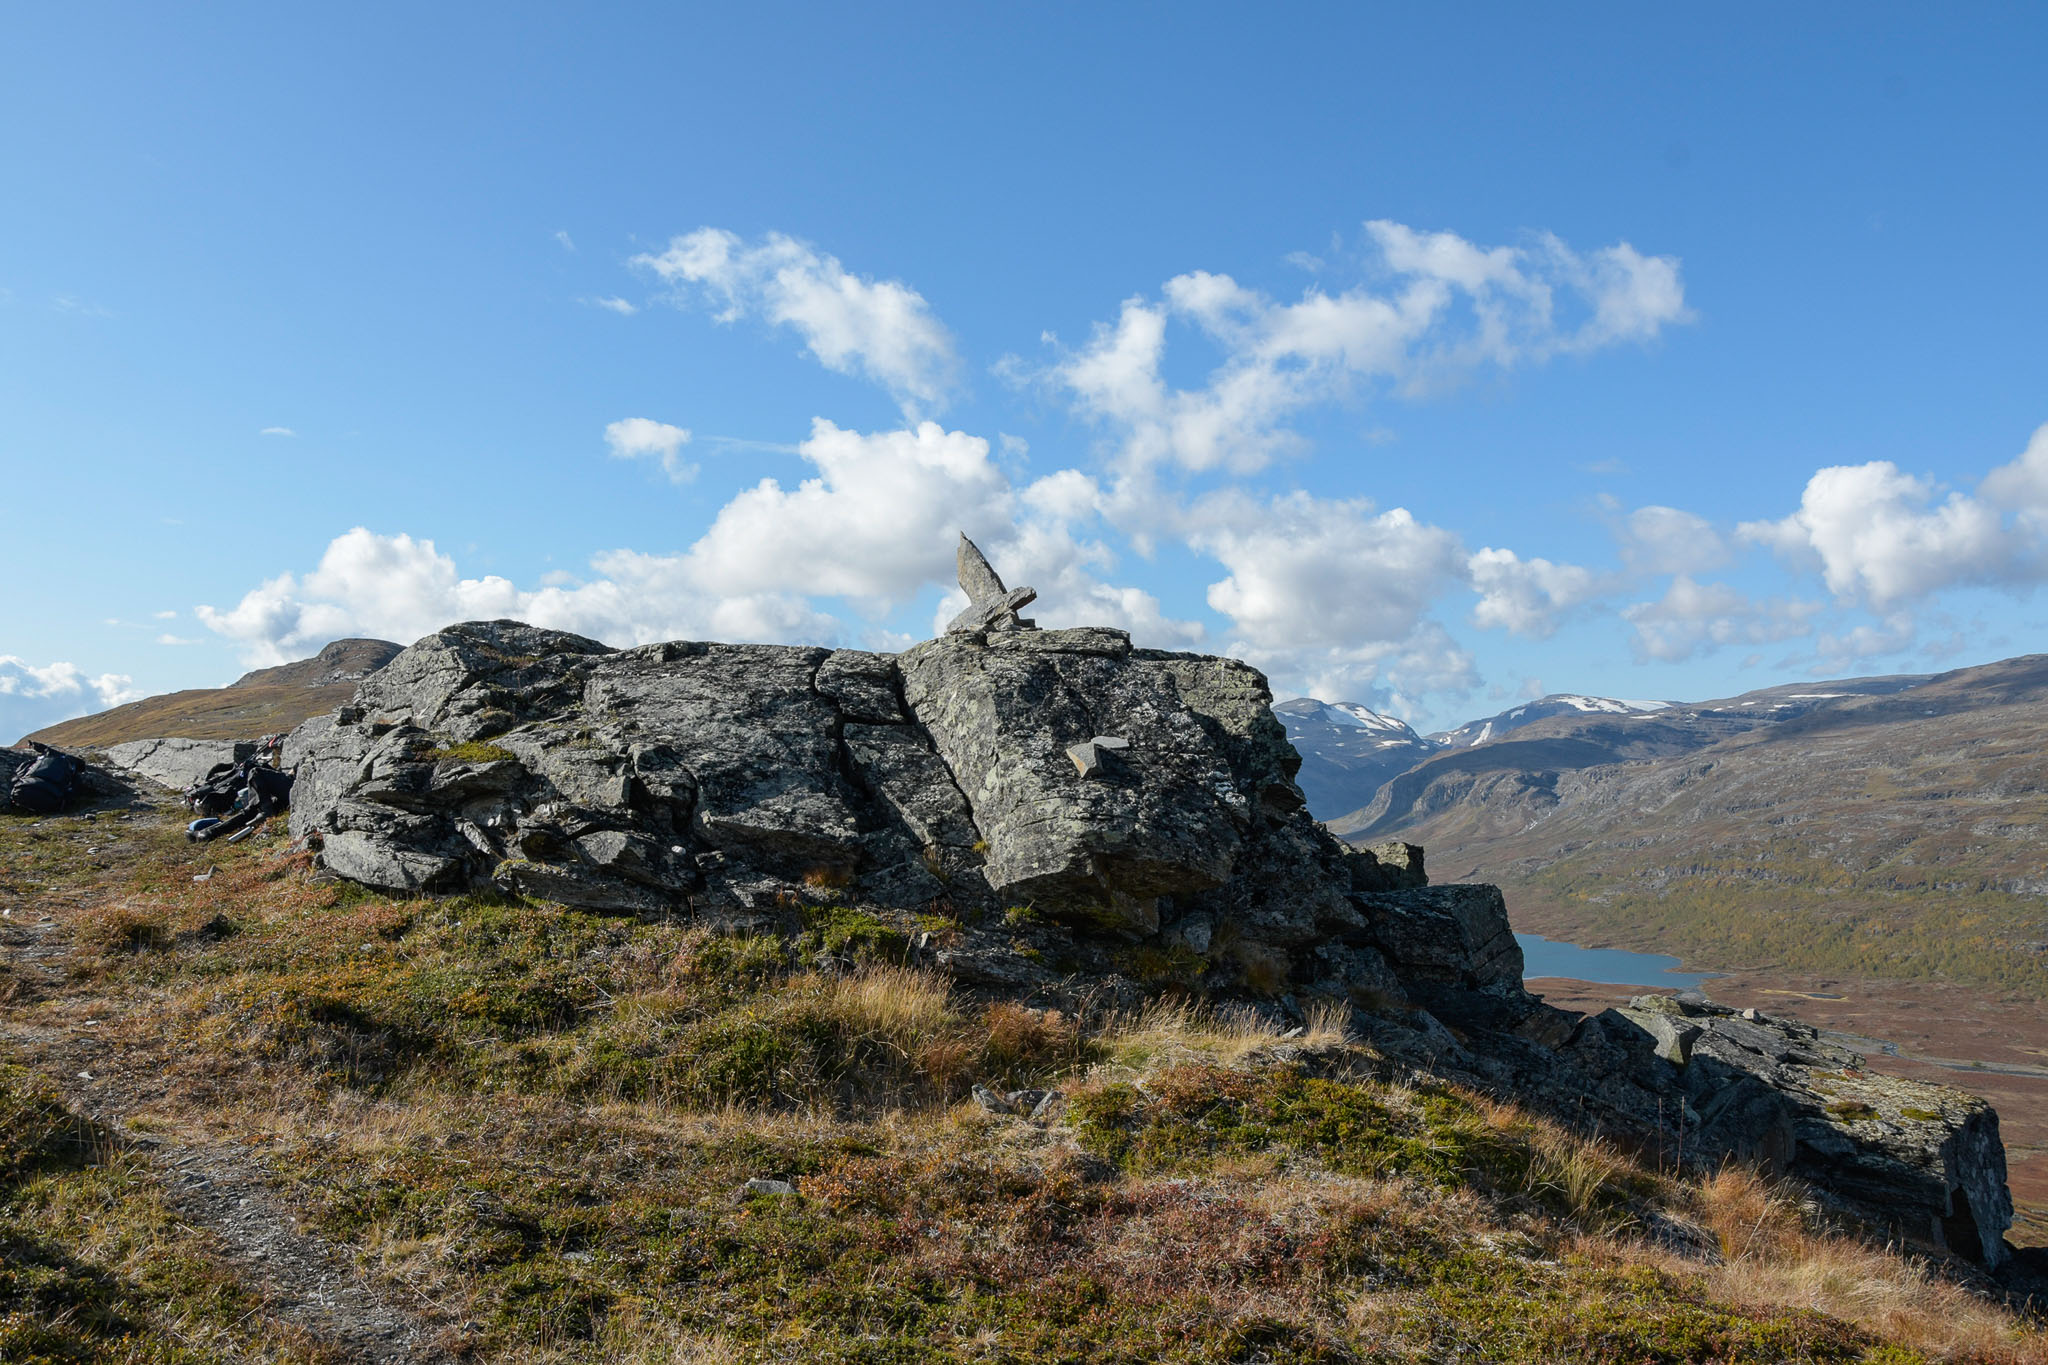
[1428, 359]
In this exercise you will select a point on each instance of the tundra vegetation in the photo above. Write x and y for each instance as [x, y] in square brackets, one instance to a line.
[532, 1129]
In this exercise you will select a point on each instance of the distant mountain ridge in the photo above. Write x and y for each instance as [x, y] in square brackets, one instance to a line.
[1528, 713]
[1885, 827]
[1349, 750]
[263, 701]
[1562, 737]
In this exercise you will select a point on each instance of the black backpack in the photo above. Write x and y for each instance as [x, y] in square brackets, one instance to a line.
[48, 784]
[273, 788]
[215, 793]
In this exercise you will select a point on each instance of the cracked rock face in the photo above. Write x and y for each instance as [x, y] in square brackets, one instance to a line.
[1167, 817]
[1924, 1159]
[624, 780]
[690, 774]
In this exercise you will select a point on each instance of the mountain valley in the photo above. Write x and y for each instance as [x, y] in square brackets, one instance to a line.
[1885, 827]
[1868, 854]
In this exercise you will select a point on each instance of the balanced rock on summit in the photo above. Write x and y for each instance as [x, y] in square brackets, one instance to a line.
[703, 774]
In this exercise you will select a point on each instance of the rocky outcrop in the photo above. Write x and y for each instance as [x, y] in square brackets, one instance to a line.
[175, 763]
[703, 775]
[340, 661]
[729, 778]
[1090, 819]
[1701, 1084]
[95, 787]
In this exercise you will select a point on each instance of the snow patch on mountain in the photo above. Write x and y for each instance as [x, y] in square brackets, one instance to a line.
[1347, 749]
[1557, 704]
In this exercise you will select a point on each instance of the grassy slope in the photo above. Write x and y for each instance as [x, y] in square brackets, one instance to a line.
[267, 701]
[1885, 844]
[200, 713]
[539, 1122]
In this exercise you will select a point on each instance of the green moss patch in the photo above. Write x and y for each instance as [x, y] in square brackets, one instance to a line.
[470, 751]
[859, 935]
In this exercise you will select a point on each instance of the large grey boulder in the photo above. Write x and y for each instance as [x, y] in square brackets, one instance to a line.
[1161, 813]
[1447, 935]
[609, 779]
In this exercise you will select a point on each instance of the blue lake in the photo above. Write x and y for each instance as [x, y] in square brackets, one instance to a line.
[1608, 966]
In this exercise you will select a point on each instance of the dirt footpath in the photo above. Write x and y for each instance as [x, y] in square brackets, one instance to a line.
[214, 1181]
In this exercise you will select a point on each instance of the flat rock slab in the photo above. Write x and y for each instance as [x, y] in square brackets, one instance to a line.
[176, 764]
[1924, 1160]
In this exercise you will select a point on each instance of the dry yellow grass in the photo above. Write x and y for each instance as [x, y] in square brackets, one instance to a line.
[1771, 1261]
[900, 1005]
[1178, 1030]
[923, 1227]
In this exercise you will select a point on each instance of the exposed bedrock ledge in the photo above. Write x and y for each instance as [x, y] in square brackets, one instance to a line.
[742, 780]
[176, 763]
[491, 751]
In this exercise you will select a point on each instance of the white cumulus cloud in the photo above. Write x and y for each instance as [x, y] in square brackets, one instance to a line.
[1664, 540]
[1314, 571]
[1879, 536]
[1882, 537]
[1893, 633]
[636, 438]
[1448, 307]
[400, 588]
[1526, 596]
[1332, 596]
[876, 522]
[880, 329]
[874, 526]
[1693, 616]
[35, 695]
